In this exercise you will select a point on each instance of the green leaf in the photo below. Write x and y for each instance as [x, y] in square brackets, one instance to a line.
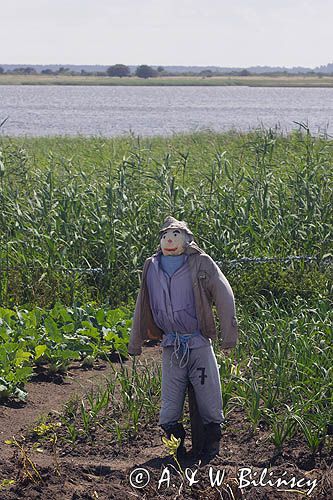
[52, 330]
[65, 354]
[40, 350]
[114, 316]
[65, 316]
[90, 331]
[51, 326]
[69, 328]
[3, 333]
[23, 374]
[109, 335]
[22, 356]
[100, 317]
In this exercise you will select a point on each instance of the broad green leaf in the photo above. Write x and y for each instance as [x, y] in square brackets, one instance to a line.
[100, 316]
[64, 354]
[23, 373]
[66, 317]
[68, 328]
[3, 333]
[51, 326]
[109, 335]
[40, 350]
[90, 331]
[113, 316]
[52, 330]
[22, 356]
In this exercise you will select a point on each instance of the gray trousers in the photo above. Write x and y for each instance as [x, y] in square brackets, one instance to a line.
[202, 371]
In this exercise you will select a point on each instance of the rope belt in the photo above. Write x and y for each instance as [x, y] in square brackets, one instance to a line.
[181, 350]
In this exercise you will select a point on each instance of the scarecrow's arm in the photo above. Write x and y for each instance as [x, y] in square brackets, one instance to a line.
[136, 341]
[223, 297]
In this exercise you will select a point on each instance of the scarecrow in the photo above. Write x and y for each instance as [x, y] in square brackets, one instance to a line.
[179, 283]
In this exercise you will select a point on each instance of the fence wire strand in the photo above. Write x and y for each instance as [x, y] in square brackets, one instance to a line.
[234, 262]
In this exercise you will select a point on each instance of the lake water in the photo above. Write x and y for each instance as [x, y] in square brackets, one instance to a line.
[113, 111]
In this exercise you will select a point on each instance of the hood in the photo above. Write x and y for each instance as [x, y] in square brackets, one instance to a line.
[172, 223]
[190, 248]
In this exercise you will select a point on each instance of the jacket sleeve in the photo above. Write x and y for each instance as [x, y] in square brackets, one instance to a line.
[224, 300]
[136, 340]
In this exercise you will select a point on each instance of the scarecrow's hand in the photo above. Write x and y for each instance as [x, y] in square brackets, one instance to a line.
[134, 353]
[230, 353]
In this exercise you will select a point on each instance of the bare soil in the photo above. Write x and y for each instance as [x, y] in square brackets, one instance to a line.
[100, 469]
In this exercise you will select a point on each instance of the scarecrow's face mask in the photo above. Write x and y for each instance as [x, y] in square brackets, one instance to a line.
[173, 242]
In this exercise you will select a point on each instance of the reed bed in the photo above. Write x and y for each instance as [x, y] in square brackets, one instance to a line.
[70, 204]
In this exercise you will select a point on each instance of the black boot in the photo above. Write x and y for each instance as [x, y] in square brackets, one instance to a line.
[213, 436]
[179, 432]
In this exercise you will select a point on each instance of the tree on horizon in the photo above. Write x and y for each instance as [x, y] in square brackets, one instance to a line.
[145, 71]
[118, 70]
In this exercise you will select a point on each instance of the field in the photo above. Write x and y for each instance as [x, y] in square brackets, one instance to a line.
[250, 81]
[78, 218]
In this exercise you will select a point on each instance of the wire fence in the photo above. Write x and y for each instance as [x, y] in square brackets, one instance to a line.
[326, 260]
[42, 283]
[264, 260]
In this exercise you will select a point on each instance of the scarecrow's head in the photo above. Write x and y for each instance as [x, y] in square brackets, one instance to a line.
[175, 235]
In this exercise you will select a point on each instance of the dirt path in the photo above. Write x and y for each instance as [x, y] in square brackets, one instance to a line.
[45, 397]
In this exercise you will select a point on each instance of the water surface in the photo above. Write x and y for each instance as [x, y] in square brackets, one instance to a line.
[113, 111]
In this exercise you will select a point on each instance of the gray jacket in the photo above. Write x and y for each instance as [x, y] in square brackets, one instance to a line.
[209, 285]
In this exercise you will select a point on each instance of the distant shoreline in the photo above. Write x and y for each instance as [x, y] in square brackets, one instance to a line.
[249, 81]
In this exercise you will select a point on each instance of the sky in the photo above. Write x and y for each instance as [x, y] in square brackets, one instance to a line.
[239, 33]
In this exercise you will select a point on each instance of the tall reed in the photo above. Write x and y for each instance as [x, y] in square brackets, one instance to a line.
[98, 203]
